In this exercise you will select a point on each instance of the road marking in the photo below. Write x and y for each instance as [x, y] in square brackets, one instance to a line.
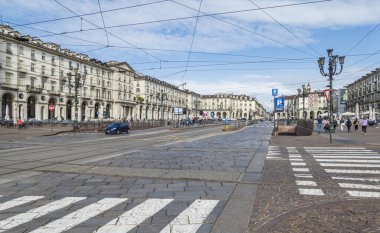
[301, 169]
[355, 178]
[297, 164]
[295, 160]
[22, 218]
[344, 153]
[345, 157]
[313, 192]
[345, 171]
[349, 165]
[333, 148]
[79, 216]
[18, 201]
[363, 193]
[191, 219]
[348, 160]
[306, 183]
[295, 156]
[135, 216]
[105, 157]
[359, 186]
[303, 175]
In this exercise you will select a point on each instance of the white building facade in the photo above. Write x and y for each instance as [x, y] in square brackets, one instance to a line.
[35, 75]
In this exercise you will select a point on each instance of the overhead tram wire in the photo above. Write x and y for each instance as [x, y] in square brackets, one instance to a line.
[104, 25]
[94, 13]
[286, 29]
[248, 30]
[139, 5]
[109, 32]
[191, 17]
[363, 38]
[192, 41]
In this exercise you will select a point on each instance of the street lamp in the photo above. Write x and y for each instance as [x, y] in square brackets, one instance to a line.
[196, 103]
[76, 83]
[332, 70]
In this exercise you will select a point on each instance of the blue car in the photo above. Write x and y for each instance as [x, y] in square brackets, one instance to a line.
[117, 128]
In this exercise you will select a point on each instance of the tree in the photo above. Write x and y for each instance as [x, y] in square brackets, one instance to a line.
[139, 99]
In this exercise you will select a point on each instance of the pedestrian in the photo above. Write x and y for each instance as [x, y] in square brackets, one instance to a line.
[341, 124]
[377, 122]
[356, 124]
[326, 126]
[319, 124]
[20, 124]
[364, 124]
[348, 124]
[335, 123]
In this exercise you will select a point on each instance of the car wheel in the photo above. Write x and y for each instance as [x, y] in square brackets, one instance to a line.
[118, 132]
[127, 131]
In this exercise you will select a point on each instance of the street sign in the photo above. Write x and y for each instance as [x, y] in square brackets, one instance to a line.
[212, 114]
[279, 104]
[327, 94]
[51, 107]
[274, 92]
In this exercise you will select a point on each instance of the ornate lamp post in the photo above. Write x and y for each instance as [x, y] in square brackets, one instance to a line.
[76, 81]
[332, 70]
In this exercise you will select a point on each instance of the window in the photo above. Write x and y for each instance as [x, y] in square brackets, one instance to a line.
[32, 82]
[109, 95]
[32, 67]
[97, 72]
[84, 91]
[8, 62]
[53, 60]
[9, 48]
[70, 65]
[43, 84]
[43, 70]
[21, 49]
[33, 54]
[52, 85]
[43, 56]
[91, 70]
[52, 71]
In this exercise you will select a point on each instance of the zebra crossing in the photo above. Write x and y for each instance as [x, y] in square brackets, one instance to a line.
[189, 220]
[351, 168]
[304, 179]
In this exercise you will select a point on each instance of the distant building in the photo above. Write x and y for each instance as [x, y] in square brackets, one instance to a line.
[363, 95]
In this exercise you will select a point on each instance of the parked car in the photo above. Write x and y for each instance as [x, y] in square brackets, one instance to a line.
[117, 128]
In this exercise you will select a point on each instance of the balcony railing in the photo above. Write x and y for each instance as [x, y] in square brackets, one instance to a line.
[36, 90]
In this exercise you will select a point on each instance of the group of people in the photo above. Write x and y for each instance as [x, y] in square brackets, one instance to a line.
[342, 122]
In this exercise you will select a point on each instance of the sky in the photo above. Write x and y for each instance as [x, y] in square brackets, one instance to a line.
[215, 46]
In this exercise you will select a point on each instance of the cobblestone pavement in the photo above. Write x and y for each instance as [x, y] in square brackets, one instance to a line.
[202, 180]
[312, 186]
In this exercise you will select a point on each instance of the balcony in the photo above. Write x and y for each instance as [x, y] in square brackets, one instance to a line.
[53, 93]
[35, 90]
[22, 69]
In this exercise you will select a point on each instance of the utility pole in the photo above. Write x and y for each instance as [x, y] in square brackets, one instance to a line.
[332, 70]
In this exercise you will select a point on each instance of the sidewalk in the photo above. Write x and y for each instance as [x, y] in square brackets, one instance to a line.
[14, 133]
[310, 185]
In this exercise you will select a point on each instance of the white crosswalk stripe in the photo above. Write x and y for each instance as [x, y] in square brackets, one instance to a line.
[135, 216]
[79, 216]
[22, 218]
[18, 201]
[354, 163]
[191, 219]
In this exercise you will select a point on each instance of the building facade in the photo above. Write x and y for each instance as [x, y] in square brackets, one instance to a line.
[363, 95]
[37, 77]
[225, 105]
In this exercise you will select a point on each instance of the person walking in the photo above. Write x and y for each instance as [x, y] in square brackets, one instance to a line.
[356, 124]
[341, 122]
[319, 124]
[377, 122]
[348, 124]
[20, 124]
[364, 126]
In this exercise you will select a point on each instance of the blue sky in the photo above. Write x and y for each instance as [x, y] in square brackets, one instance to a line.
[250, 51]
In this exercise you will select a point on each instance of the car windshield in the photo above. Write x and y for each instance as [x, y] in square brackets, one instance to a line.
[114, 124]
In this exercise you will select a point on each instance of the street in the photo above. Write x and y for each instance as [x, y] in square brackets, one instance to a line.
[157, 180]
